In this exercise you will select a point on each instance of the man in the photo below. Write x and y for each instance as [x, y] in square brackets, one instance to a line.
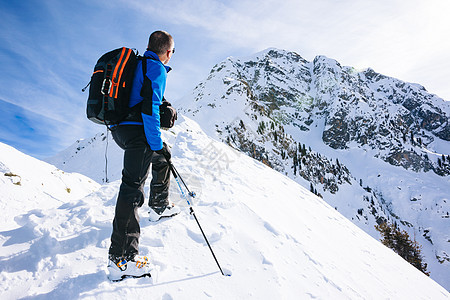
[140, 138]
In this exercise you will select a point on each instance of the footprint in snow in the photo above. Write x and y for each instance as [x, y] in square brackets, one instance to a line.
[153, 242]
[270, 228]
[166, 297]
[198, 237]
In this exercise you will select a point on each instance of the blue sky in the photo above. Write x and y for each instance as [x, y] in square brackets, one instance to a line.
[48, 49]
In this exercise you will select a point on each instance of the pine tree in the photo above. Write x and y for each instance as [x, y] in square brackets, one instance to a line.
[400, 242]
[261, 127]
[241, 123]
[295, 167]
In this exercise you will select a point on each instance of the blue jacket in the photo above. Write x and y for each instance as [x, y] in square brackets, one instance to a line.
[157, 73]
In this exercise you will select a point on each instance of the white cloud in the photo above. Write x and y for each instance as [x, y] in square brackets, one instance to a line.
[398, 38]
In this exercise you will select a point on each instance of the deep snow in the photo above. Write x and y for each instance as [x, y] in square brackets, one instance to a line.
[277, 239]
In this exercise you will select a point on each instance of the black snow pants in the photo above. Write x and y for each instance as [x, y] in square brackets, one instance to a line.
[136, 162]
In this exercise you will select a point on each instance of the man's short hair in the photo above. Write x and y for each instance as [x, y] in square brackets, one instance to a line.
[159, 42]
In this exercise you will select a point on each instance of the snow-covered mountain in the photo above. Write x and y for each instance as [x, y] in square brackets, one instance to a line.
[98, 157]
[277, 239]
[374, 147]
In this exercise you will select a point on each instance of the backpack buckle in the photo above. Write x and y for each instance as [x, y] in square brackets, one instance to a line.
[106, 86]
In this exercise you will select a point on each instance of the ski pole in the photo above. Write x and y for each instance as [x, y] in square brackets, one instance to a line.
[177, 175]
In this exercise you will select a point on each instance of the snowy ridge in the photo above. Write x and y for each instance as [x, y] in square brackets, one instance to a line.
[277, 239]
[377, 148]
[73, 159]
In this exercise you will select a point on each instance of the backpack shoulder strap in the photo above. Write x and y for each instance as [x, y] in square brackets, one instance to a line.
[146, 90]
[144, 66]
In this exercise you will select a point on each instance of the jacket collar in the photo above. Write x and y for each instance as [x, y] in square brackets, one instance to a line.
[154, 56]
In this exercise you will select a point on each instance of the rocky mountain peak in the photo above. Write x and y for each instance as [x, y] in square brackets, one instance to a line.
[320, 123]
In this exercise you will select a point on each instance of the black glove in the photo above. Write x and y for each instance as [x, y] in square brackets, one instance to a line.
[165, 152]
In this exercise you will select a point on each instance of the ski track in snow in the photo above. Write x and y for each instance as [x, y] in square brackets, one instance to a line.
[276, 239]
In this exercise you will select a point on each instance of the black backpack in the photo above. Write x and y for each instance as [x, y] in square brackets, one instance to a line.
[110, 88]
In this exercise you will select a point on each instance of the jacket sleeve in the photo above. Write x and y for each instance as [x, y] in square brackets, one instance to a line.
[150, 106]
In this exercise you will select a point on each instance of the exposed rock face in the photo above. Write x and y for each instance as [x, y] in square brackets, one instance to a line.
[363, 109]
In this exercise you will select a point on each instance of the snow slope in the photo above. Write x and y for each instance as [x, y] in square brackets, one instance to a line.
[277, 239]
[29, 184]
[391, 138]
